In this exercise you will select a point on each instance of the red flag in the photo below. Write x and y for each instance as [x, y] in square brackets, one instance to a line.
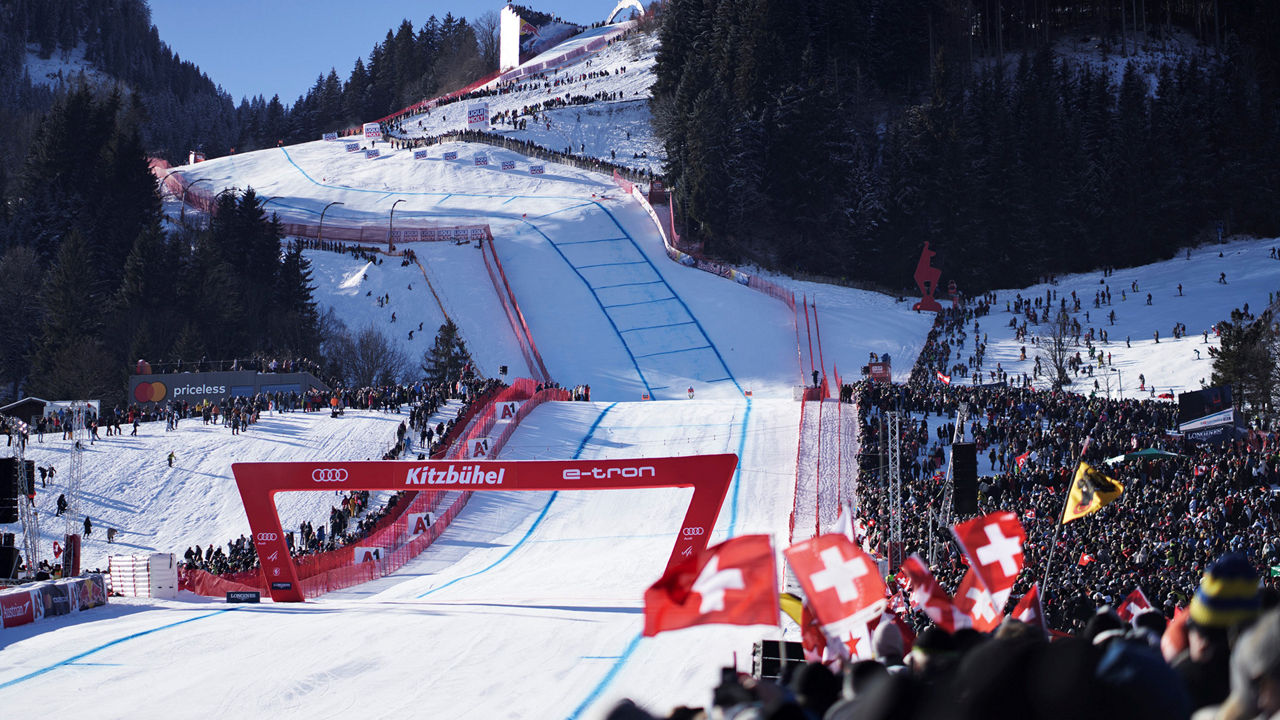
[929, 597]
[57, 550]
[973, 600]
[993, 544]
[944, 379]
[844, 588]
[1021, 460]
[1135, 603]
[1085, 559]
[1029, 609]
[813, 642]
[733, 583]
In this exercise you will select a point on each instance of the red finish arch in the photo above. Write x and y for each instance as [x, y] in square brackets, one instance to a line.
[708, 475]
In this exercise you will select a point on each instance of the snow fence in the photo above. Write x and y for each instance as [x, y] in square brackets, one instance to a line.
[31, 602]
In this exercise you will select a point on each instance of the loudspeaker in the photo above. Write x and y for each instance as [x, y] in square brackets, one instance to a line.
[30, 488]
[8, 490]
[964, 475]
[10, 559]
[766, 659]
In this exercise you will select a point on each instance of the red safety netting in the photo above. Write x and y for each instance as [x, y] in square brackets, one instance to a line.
[337, 569]
[514, 314]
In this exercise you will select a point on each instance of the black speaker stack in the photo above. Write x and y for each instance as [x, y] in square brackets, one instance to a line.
[964, 475]
[8, 490]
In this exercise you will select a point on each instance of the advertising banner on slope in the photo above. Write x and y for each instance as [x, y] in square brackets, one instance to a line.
[451, 155]
[478, 117]
[373, 130]
[330, 136]
[371, 154]
[508, 164]
[367, 554]
[537, 169]
[419, 154]
[478, 448]
[481, 159]
[17, 608]
[506, 411]
[418, 523]
[1207, 415]
[353, 147]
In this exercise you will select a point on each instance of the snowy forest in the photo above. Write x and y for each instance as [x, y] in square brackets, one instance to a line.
[184, 109]
[836, 137]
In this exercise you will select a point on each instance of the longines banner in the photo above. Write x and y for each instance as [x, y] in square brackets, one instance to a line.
[216, 386]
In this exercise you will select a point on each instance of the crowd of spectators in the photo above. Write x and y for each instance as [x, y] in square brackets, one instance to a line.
[1218, 661]
[530, 149]
[352, 519]
[1176, 515]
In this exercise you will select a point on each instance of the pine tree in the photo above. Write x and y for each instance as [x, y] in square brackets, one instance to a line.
[447, 356]
[1247, 359]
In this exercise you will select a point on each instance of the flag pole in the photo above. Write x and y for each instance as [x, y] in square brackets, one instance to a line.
[1053, 546]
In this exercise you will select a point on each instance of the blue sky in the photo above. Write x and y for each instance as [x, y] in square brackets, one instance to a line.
[253, 47]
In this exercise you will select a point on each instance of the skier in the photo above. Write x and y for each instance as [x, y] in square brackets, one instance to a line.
[88, 527]
[690, 392]
[62, 505]
[172, 457]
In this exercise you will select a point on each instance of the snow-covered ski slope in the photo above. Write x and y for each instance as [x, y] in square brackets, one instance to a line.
[605, 305]
[536, 614]
[529, 606]
[617, 129]
[128, 484]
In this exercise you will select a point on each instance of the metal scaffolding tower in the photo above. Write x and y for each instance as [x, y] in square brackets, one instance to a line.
[895, 490]
[75, 471]
[948, 487]
[27, 513]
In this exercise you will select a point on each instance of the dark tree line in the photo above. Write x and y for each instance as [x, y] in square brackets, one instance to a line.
[184, 109]
[837, 136]
[93, 280]
[407, 66]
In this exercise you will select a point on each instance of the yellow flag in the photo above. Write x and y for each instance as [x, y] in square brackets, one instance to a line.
[1090, 492]
[793, 606]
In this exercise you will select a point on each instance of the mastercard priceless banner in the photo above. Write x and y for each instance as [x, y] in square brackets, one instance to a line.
[215, 386]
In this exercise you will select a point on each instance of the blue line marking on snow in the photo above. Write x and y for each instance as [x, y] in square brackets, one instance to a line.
[563, 209]
[641, 302]
[643, 380]
[672, 352]
[655, 327]
[537, 521]
[608, 678]
[606, 287]
[588, 242]
[599, 657]
[72, 660]
[611, 264]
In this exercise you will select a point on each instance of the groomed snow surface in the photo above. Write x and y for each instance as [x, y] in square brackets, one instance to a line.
[530, 605]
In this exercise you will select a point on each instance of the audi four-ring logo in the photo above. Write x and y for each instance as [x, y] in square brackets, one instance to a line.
[329, 475]
[267, 537]
[693, 531]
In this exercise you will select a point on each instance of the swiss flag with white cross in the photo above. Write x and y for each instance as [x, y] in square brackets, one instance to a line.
[732, 583]
[1030, 611]
[843, 586]
[929, 597]
[973, 600]
[1133, 604]
[993, 544]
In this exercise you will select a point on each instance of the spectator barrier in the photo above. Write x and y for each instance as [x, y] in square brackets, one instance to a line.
[30, 602]
[529, 348]
[338, 569]
[154, 575]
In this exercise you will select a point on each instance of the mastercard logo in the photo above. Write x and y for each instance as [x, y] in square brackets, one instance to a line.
[150, 392]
